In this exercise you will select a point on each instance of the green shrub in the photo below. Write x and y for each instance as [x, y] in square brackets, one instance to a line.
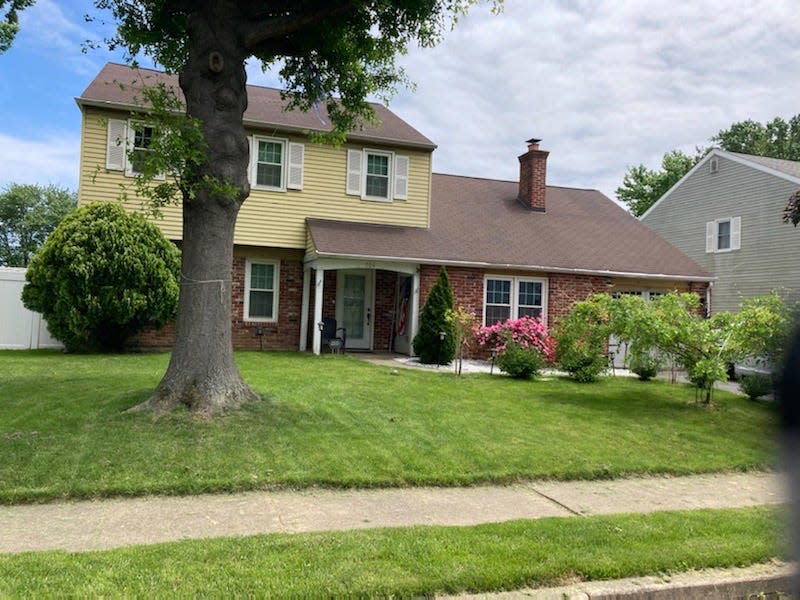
[581, 339]
[756, 385]
[645, 364]
[519, 362]
[434, 319]
[102, 276]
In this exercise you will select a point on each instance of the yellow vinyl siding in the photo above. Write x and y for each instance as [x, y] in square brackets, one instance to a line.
[98, 183]
[270, 218]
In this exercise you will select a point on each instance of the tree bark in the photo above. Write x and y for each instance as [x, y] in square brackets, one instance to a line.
[202, 374]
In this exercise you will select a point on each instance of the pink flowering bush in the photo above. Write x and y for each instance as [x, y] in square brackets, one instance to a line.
[525, 332]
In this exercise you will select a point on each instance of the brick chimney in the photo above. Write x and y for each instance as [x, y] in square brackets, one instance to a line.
[532, 176]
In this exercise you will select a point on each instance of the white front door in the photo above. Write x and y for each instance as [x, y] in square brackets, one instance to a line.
[355, 292]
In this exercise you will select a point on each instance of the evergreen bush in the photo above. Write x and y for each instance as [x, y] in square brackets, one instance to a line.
[102, 276]
[433, 319]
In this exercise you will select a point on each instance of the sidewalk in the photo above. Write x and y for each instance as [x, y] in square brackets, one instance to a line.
[485, 366]
[102, 524]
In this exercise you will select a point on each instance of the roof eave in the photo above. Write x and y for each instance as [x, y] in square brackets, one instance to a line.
[355, 137]
[510, 266]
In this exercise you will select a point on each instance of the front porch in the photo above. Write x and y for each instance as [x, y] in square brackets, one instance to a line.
[376, 302]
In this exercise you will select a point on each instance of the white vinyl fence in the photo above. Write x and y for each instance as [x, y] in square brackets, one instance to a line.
[20, 328]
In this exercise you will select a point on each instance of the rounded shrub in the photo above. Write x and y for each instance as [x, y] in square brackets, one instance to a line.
[756, 385]
[644, 364]
[520, 362]
[102, 276]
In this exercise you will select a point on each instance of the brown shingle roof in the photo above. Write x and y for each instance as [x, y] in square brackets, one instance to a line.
[119, 86]
[480, 222]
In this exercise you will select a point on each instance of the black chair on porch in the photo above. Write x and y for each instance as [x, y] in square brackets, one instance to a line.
[330, 335]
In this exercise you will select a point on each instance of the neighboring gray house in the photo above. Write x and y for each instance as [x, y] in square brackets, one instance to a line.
[726, 214]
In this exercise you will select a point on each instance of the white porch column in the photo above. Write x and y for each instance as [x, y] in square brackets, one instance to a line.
[318, 288]
[304, 309]
[414, 310]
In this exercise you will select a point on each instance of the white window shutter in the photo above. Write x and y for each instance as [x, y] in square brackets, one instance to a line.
[294, 180]
[400, 177]
[711, 236]
[117, 146]
[354, 159]
[736, 233]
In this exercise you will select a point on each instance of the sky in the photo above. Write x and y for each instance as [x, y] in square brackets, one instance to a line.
[605, 84]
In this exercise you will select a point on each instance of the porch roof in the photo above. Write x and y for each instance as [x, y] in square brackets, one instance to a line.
[479, 222]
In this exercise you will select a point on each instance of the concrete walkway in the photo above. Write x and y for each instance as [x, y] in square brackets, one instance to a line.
[482, 366]
[78, 526]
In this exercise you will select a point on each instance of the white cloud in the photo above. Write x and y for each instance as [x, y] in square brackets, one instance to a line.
[605, 84]
[44, 161]
[57, 32]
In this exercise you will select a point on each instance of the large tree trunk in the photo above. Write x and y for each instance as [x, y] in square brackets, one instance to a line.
[202, 374]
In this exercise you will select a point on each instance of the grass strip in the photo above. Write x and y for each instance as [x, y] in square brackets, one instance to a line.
[409, 561]
[337, 421]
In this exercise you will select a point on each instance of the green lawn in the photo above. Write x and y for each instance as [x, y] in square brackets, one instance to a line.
[406, 562]
[337, 421]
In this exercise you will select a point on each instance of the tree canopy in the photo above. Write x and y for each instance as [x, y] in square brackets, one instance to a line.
[331, 52]
[642, 187]
[9, 20]
[28, 213]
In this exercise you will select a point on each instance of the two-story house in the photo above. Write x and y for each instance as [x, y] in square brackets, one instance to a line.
[726, 214]
[358, 232]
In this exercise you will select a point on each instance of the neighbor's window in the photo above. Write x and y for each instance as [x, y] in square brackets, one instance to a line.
[261, 291]
[269, 161]
[377, 176]
[512, 298]
[723, 235]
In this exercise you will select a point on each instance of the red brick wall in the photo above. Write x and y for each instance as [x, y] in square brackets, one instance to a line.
[282, 335]
[154, 339]
[466, 283]
[564, 290]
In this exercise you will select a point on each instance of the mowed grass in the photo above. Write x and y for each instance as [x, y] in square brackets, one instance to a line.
[338, 421]
[406, 562]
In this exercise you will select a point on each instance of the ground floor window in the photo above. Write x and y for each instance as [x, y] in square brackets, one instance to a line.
[513, 297]
[261, 290]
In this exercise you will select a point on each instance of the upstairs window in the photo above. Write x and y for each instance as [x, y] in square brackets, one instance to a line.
[141, 145]
[377, 175]
[724, 235]
[277, 164]
[269, 161]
